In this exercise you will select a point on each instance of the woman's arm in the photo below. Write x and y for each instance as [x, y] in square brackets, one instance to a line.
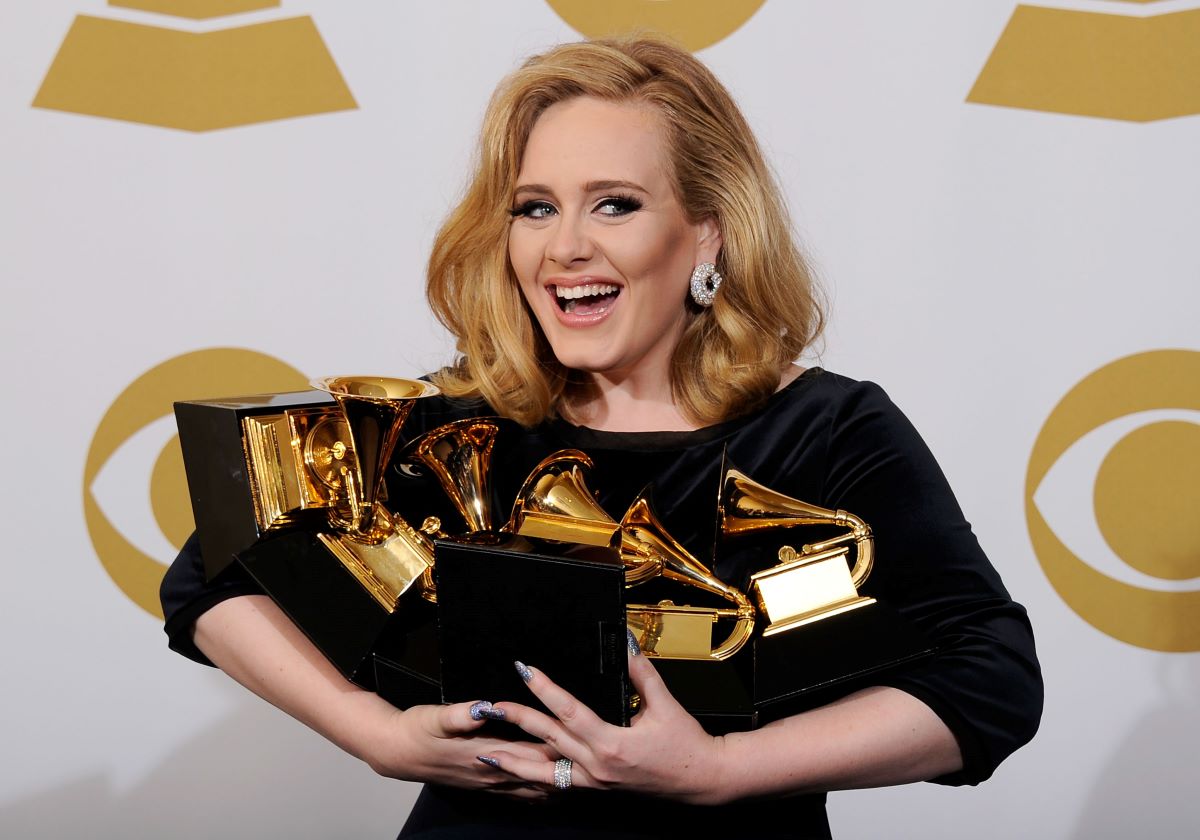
[252, 640]
[875, 737]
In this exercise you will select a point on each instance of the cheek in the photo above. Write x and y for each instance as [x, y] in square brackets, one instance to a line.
[663, 256]
[521, 260]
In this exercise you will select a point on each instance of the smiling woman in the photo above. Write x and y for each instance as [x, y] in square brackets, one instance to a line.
[604, 263]
[617, 181]
[623, 164]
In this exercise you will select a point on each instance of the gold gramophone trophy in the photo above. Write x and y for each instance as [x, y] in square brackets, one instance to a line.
[290, 485]
[555, 504]
[459, 456]
[808, 585]
[821, 637]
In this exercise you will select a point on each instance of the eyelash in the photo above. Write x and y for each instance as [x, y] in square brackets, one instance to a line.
[622, 204]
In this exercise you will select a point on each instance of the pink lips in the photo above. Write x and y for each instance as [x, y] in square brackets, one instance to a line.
[593, 313]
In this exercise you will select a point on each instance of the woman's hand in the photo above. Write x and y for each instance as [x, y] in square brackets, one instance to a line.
[441, 744]
[664, 752]
[251, 639]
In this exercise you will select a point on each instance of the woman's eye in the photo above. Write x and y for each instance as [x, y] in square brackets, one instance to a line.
[618, 206]
[533, 210]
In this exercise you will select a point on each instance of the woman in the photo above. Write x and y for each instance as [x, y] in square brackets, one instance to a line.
[621, 278]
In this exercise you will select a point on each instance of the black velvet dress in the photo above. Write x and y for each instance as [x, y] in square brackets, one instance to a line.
[824, 439]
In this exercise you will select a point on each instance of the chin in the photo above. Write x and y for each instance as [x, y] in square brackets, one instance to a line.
[583, 362]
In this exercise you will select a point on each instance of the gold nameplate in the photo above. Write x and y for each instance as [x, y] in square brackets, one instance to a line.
[549, 526]
[805, 588]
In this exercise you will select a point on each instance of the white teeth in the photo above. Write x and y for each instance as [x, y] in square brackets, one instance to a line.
[586, 290]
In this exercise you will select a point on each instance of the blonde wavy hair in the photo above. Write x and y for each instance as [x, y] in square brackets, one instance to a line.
[729, 360]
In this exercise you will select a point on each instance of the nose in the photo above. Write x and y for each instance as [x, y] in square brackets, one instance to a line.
[569, 241]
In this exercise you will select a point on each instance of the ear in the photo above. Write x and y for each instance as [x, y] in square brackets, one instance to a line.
[708, 240]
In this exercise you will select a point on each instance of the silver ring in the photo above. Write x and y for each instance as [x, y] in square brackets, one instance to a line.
[562, 773]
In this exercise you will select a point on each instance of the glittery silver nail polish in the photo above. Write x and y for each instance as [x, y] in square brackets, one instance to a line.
[492, 713]
[479, 710]
[523, 670]
[634, 647]
[488, 760]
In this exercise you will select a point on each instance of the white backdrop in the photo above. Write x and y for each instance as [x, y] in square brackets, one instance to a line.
[981, 260]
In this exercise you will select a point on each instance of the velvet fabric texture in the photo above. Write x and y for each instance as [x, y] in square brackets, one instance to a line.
[824, 439]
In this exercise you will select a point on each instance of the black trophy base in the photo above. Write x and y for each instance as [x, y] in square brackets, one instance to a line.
[718, 694]
[563, 613]
[345, 622]
[219, 481]
[817, 663]
[796, 670]
[407, 660]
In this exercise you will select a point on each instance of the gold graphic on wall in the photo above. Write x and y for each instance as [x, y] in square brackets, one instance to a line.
[1146, 500]
[694, 23]
[195, 81]
[196, 9]
[1092, 64]
[197, 375]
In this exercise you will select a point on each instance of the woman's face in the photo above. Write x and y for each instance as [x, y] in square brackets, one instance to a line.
[599, 242]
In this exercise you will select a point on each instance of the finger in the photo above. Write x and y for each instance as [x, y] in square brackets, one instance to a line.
[530, 750]
[537, 771]
[647, 682]
[550, 731]
[574, 715]
[462, 718]
[519, 790]
[500, 782]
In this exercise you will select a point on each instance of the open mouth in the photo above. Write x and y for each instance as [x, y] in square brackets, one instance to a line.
[589, 299]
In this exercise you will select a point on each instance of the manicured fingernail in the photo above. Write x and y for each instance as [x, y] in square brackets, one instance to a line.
[523, 670]
[492, 713]
[480, 710]
[489, 761]
[634, 648]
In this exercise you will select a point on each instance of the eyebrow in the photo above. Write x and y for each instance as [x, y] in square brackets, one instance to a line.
[590, 186]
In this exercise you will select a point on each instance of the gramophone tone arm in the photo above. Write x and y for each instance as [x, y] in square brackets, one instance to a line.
[713, 584]
[864, 541]
[353, 499]
[743, 629]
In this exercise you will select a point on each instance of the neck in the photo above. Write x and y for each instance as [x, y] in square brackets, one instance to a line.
[639, 403]
[633, 402]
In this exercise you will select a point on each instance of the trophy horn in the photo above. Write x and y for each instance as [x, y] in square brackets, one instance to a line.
[374, 407]
[682, 632]
[744, 506]
[460, 455]
[555, 504]
[383, 552]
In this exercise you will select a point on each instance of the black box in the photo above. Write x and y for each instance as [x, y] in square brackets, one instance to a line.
[211, 435]
[343, 620]
[560, 608]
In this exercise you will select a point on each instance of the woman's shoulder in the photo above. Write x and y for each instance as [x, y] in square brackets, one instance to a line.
[820, 395]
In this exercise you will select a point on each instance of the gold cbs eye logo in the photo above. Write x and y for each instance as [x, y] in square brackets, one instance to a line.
[695, 23]
[147, 401]
[1145, 499]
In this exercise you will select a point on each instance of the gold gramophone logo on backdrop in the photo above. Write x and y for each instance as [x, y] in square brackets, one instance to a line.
[694, 23]
[147, 400]
[1136, 425]
[194, 80]
[1138, 66]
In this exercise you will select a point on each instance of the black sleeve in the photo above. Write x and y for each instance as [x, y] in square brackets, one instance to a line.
[984, 681]
[185, 596]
